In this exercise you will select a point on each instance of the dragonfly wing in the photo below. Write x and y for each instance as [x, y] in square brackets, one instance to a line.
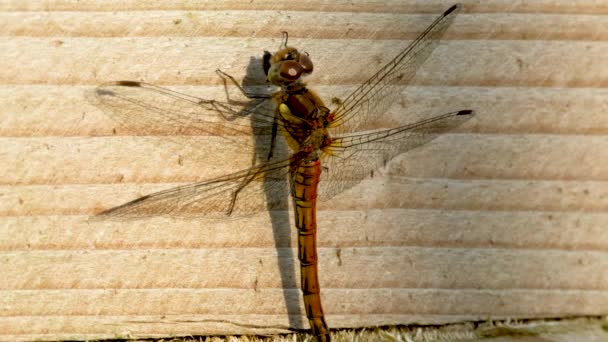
[263, 187]
[374, 97]
[353, 157]
[152, 110]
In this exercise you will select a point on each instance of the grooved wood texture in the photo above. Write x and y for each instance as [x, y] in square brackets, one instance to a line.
[505, 217]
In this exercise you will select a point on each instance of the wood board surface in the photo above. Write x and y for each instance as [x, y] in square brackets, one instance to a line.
[504, 217]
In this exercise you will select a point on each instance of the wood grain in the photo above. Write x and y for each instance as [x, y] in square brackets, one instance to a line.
[504, 217]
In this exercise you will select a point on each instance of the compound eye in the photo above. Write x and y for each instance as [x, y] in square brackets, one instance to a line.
[306, 63]
[291, 70]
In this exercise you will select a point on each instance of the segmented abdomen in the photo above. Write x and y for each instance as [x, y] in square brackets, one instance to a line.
[304, 191]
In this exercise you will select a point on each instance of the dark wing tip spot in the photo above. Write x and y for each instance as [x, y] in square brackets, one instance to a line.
[451, 9]
[465, 112]
[129, 83]
[116, 211]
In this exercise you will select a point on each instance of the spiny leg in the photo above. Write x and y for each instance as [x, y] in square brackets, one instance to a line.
[275, 123]
[225, 76]
[235, 194]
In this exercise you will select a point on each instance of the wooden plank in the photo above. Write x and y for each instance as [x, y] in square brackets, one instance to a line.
[447, 194]
[432, 6]
[65, 111]
[49, 159]
[258, 267]
[523, 63]
[350, 228]
[152, 302]
[264, 24]
[502, 218]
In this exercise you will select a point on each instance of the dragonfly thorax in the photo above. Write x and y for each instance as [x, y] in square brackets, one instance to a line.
[311, 149]
[304, 118]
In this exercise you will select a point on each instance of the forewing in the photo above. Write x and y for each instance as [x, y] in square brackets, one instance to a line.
[264, 187]
[151, 110]
[374, 97]
[353, 157]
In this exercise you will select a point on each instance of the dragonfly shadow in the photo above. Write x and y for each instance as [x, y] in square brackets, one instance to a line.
[279, 196]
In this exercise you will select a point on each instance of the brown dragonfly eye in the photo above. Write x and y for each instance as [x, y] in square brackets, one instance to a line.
[291, 70]
[306, 63]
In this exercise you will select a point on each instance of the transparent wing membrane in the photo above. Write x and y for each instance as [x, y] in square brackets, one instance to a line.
[374, 97]
[355, 156]
[264, 187]
[151, 110]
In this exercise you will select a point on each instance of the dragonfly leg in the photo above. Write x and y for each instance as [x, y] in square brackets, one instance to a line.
[225, 76]
[273, 139]
[235, 194]
[266, 62]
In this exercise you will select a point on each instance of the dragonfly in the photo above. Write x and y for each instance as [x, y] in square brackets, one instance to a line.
[332, 149]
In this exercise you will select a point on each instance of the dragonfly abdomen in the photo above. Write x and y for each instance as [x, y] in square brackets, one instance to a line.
[304, 185]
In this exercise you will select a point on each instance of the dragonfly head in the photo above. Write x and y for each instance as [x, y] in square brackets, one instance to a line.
[287, 66]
